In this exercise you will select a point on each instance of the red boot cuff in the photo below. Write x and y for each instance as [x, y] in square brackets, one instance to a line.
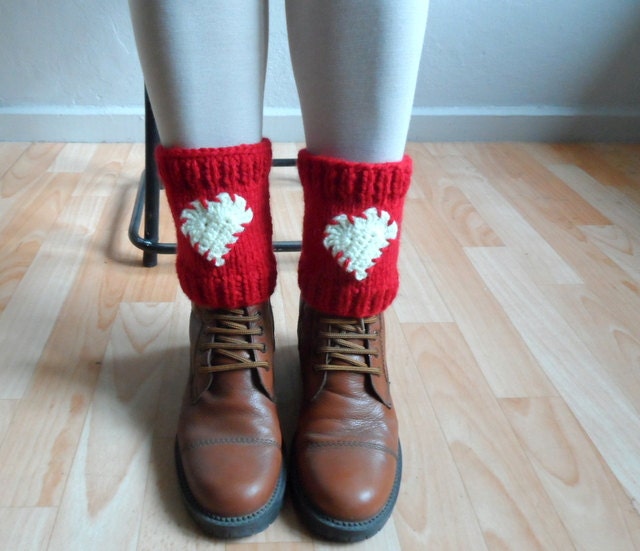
[351, 233]
[219, 199]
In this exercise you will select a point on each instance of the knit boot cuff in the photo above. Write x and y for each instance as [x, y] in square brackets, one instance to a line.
[219, 199]
[351, 233]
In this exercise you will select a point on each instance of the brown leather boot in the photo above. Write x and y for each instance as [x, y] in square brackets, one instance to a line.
[229, 444]
[346, 456]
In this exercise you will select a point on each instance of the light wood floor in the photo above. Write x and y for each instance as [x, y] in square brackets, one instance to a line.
[514, 348]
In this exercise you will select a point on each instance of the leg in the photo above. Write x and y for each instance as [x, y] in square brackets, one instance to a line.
[356, 64]
[204, 65]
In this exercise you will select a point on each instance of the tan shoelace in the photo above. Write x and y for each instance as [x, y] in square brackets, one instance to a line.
[344, 338]
[232, 340]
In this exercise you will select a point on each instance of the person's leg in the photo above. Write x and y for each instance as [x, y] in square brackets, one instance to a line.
[204, 66]
[356, 65]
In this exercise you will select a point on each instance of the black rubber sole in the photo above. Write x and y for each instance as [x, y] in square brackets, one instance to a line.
[231, 527]
[337, 530]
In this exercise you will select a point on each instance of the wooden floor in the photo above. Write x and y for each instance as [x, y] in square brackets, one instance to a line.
[514, 348]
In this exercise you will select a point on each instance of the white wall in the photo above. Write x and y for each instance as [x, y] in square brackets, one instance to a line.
[491, 70]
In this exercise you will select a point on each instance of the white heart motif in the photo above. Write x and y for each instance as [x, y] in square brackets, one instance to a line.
[355, 242]
[213, 228]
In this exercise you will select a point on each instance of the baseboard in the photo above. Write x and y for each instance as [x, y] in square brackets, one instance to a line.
[86, 124]
[528, 124]
[539, 124]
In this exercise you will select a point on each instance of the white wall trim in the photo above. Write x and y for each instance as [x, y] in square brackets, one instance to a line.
[525, 123]
[543, 124]
[64, 124]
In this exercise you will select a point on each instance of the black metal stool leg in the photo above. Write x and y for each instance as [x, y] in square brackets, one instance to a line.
[152, 186]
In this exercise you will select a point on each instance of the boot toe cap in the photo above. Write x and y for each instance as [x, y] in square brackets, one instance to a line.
[231, 482]
[347, 483]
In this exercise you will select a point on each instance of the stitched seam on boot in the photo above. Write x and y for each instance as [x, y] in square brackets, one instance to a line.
[231, 440]
[353, 444]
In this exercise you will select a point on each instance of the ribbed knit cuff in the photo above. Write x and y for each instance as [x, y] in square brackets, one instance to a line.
[219, 199]
[351, 233]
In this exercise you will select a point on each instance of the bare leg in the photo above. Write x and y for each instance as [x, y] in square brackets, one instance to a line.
[204, 66]
[356, 64]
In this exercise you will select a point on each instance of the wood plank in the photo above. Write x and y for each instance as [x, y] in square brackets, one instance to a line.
[26, 528]
[7, 409]
[160, 283]
[600, 164]
[612, 202]
[559, 222]
[606, 331]
[438, 183]
[624, 158]
[536, 254]
[22, 237]
[521, 177]
[508, 498]
[384, 540]
[10, 152]
[107, 481]
[619, 246]
[31, 313]
[102, 172]
[40, 446]
[466, 223]
[74, 157]
[418, 300]
[610, 420]
[285, 303]
[570, 468]
[35, 160]
[25, 177]
[287, 204]
[502, 355]
[176, 371]
[433, 510]
[280, 546]
[424, 170]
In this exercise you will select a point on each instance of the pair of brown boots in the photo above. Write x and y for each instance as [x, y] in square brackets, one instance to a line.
[345, 464]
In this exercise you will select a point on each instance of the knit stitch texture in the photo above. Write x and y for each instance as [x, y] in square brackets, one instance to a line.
[219, 199]
[351, 233]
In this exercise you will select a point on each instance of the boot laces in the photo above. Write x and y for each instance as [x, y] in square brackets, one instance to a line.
[348, 345]
[231, 333]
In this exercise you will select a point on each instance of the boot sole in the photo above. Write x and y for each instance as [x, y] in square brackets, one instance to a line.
[334, 529]
[231, 527]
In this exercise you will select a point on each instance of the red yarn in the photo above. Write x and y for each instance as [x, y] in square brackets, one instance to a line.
[248, 275]
[333, 187]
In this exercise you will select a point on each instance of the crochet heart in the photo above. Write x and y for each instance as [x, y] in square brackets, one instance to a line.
[357, 241]
[215, 226]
